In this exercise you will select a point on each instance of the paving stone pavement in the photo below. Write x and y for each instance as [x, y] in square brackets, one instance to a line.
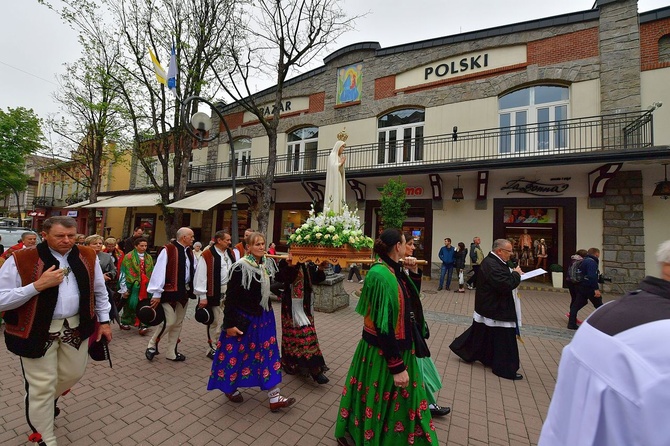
[138, 402]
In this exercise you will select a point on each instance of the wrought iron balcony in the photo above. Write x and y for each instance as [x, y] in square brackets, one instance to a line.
[76, 198]
[571, 137]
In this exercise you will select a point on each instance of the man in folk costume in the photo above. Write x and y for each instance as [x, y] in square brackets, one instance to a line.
[239, 250]
[171, 285]
[52, 295]
[210, 282]
[136, 269]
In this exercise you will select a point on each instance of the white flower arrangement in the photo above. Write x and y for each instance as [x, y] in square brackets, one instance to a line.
[329, 229]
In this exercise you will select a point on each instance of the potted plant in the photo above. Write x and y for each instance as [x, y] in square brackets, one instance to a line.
[556, 275]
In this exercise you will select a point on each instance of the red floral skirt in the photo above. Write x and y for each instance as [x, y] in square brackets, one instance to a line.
[249, 360]
[376, 412]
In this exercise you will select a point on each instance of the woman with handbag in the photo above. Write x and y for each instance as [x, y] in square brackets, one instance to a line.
[459, 263]
[247, 354]
[384, 399]
[431, 377]
[136, 269]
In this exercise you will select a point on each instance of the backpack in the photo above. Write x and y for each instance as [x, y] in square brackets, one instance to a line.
[575, 274]
[473, 253]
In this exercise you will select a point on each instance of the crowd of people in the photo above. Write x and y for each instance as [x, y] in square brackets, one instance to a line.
[59, 297]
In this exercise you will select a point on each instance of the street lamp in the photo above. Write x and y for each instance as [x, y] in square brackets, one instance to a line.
[202, 123]
[18, 203]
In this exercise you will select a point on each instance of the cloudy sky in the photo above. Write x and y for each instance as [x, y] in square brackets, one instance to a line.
[34, 43]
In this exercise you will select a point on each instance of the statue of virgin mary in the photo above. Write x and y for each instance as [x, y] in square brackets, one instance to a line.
[335, 194]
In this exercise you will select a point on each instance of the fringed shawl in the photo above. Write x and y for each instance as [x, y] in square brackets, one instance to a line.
[251, 270]
[380, 296]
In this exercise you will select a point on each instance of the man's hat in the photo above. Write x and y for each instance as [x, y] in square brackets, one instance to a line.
[204, 316]
[148, 315]
[99, 350]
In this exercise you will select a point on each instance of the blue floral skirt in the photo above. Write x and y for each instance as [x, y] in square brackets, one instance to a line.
[249, 360]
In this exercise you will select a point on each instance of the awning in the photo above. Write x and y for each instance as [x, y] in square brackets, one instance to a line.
[85, 202]
[128, 201]
[204, 200]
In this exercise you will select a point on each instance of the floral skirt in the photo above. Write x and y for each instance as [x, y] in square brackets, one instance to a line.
[300, 346]
[376, 412]
[249, 360]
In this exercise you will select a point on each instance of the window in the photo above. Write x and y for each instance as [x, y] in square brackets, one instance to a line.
[153, 168]
[302, 149]
[533, 119]
[400, 136]
[242, 157]
[664, 48]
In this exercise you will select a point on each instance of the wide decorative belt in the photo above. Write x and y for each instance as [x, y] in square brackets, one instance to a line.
[67, 335]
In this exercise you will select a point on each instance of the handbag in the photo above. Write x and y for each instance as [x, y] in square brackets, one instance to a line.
[421, 349]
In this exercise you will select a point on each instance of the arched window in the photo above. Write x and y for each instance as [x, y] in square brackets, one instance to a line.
[400, 136]
[302, 149]
[242, 157]
[532, 119]
[664, 48]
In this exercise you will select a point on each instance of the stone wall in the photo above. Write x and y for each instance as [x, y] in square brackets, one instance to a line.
[623, 232]
[619, 56]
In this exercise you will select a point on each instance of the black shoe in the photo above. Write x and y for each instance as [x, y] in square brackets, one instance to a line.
[439, 288]
[178, 358]
[321, 378]
[516, 377]
[210, 354]
[573, 326]
[150, 353]
[439, 411]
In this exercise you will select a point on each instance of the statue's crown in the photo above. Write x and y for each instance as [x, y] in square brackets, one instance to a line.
[342, 136]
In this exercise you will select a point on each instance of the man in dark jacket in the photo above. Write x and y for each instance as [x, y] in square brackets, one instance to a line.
[587, 289]
[447, 256]
[492, 337]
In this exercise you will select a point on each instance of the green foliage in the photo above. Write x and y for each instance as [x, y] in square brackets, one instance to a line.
[555, 268]
[394, 205]
[20, 136]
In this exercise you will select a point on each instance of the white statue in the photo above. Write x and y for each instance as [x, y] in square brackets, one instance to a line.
[335, 194]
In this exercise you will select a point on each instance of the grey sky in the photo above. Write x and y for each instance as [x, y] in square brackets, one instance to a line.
[34, 43]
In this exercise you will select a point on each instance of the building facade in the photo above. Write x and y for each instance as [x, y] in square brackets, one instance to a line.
[549, 129]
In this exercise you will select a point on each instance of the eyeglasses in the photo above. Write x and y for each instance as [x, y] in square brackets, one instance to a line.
[507, 250]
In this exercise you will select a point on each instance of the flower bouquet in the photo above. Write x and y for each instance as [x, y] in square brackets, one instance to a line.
[331, 237]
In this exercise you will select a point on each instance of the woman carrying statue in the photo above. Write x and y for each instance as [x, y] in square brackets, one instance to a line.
[384, 400]
[299, 343]
[335, 193]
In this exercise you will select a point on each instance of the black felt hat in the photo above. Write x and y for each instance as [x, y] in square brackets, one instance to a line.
[99, 351]
[204, 315]
[148, 315]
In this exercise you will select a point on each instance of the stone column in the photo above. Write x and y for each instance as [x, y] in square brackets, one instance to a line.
[619, 42]
[329, 295]
[623, 232]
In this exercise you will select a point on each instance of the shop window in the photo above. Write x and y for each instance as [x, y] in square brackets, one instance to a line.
[242, 158]
[290, 221]
[400, 136]
[534, 119]
[525, 228]
[664, 48]
[301, 152]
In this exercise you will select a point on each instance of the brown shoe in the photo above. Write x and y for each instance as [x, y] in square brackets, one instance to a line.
[235, 397]
[283, 402]
[143, 331]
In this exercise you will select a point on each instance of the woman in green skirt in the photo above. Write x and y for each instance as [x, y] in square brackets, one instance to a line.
[384, 399]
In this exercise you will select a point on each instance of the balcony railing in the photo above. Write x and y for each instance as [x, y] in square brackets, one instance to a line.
[622, 131]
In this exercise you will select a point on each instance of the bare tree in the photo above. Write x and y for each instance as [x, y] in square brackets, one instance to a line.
[280, 38]
[90, 103]
[151, 111]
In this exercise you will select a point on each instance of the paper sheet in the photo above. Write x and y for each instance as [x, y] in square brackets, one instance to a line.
[533, 273]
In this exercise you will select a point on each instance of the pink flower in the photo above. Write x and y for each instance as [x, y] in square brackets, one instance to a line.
[344, 391]
[410, 439]
[232, 361]
[404, 393]
[369, 434]
[411, 415]
[399, 427]
[221, 373]
[352, 380]
[387, 396]
[368, 412]
[233, 376]
[240, 348]
[344, 413]
[266, 373]
[221, 356]
[423, 405]
[276, 366]
[397, 407]
[266, 345]
[229, 348]
[246, 371]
